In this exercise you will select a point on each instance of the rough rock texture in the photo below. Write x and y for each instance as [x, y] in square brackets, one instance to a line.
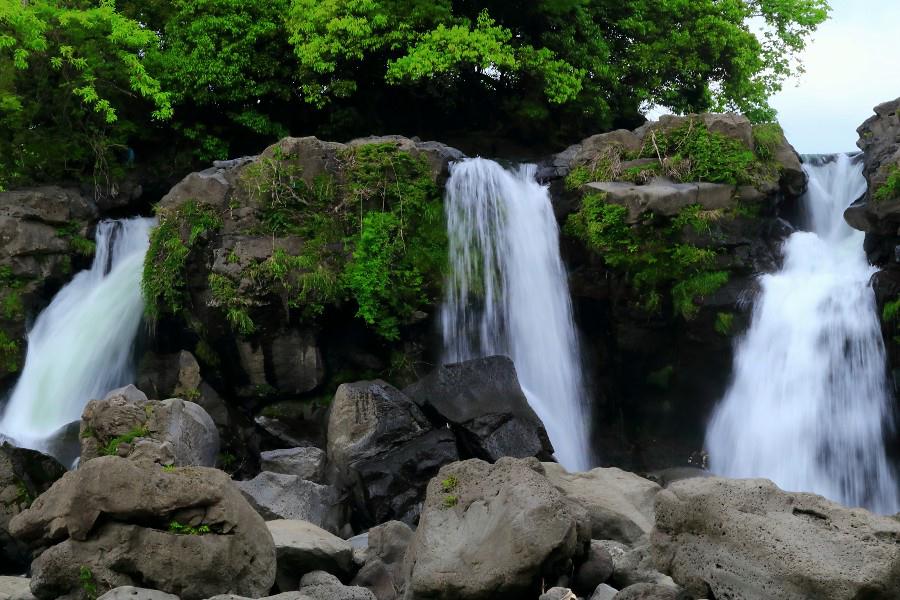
[748, 539]
[633, 565]
[604, 592]
[320, 585]
[649, 591]
[493, 531]
[620, 503]
[302, 547]
[382, 571]
[126, 423]
[15, 588]
[127, 592]
[485, 406]
[277, 496]
[178, 375]
[118, 518]
[24, 475]
[595, 570]
[385, 450]
[37, 256]
[305, 462]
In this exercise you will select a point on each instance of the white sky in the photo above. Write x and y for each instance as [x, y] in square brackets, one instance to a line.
[852, 64]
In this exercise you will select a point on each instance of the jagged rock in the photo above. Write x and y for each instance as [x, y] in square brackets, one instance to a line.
[384, 448]
[126, 423]
[382, 571]
[604, 592]
[633, 565]
[320, 585]
[278, 496]
[620, 503]
[492, 531]
[485, 406]
[124, 523]
[558, 593]
[291, 361]
[302, 547]
[748, 539]
[178, 376]
[650, 591]
[305, 462]
[24, 475]
[127, 592]
[15, 588]
[595, 570]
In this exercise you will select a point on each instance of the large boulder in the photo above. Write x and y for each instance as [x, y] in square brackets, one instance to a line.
[619, 503]
[385, 450]
[302, 547]
[382, 571]
[485, 406]
[319, 585]
[15, 588]
[493, 531]
[114, 522]
[304, 462]
[278, 496]
[24, 475]
[746, 538]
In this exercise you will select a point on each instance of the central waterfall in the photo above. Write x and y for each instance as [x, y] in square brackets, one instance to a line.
[507, 293]
[809, 404]
[81, 346]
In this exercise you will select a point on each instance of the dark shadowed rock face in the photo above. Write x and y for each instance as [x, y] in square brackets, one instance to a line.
[24, 475]
[384, 450]
[485, 406]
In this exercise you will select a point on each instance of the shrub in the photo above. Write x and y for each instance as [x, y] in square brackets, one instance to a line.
[112, 446]
[890, 189]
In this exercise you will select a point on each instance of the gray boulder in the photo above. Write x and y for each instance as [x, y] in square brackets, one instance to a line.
[116, 522]
[15, 588]
[604, 592]
[385, 450]
[301, 548]
[490, 531]
[748, 539]
[485, 406]
[595, 570]
[306, 463]
[127, 592]
[620, 503]
[277, 496]
[663, 197]
[24, 475]
[650, 591]
[633, 565]
[319, 585]
[382, 571]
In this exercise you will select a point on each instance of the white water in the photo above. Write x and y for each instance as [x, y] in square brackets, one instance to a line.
[809, 404]
[507, 293]
[81, 346]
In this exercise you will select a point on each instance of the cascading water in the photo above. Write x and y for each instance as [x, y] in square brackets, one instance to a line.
[81, 346]
[507, 294]
[809, 404]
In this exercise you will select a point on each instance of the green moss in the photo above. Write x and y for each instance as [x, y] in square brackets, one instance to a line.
[890, 189]
[88, 584]
[171, 242]
[79, 244]
[169, 468]
[652, 254]
[724, 323]
[9, 353]
[181, 529]
[23, 496]
[767, 137]
[449, 484]
[891, 311]
[112, 446]
[450, 501]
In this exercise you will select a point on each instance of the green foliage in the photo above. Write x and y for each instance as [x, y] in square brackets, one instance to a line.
[891, 311]
[9, 353]
[23, 496]
[171, 242]
[206, 354]
[890, 189]
[767, 137]
[88, 584]
[449, 484]
[226, 460]
[724, 323]
[112, 446]
[11, 305]
[661, 378]
[651, 255]
[450, 500]
[225, 295]
[169, 468]
[181, 529]
[78, 243]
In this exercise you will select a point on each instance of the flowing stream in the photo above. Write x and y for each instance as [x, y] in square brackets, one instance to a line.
[507, 293]
[82, 345]
[809, 403]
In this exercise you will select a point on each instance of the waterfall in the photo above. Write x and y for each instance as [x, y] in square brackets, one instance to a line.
[81, 345]
[809, 403]
[507, 293]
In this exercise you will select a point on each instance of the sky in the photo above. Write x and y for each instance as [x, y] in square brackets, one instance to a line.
[852, 64]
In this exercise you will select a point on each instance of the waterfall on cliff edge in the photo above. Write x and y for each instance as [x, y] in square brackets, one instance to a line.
[81, 346]
[507, 293]
[809, 403]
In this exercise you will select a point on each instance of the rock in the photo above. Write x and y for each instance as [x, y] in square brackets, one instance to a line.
[15, 588]
[127, 592]
[620, 503]
[748, 539]
[604, 592]
[126, 423]
[493, 531]
[663, 197]
[178, 376]
[125, 523]
[302, 547]
[385, 449]
[558, 593]
[633, 565]
[595, 570]
[24, 475]
[277, 496]
[320, 585]
[382, 572]
[306, 463]
[485, 406]
[649, 591]
[666, 476]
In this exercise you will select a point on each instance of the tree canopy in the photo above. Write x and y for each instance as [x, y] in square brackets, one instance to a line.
[204, 79]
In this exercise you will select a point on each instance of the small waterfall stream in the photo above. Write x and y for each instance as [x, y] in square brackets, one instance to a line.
[507, 293]
[809, 403]
[81, 345]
